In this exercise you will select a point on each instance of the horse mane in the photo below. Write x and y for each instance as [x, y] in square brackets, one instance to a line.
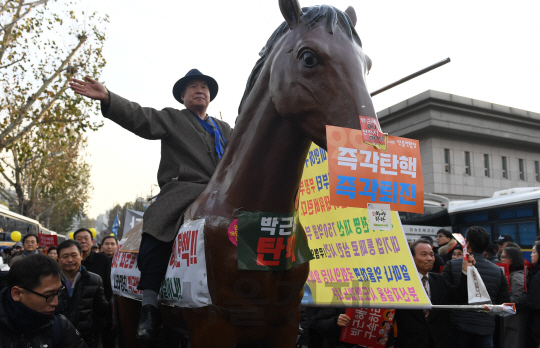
[310, 17]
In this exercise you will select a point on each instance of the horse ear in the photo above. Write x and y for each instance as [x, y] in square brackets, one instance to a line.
[291, 11]
[352, 14]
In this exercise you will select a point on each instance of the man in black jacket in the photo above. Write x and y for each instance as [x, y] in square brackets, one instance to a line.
[472, 329]
[94, 262]
[429, 328]
[82, 300]
[27, 304]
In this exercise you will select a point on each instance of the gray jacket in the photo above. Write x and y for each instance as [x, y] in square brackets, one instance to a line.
[188, 158]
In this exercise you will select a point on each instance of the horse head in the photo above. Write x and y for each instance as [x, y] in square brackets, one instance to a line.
[318, 69]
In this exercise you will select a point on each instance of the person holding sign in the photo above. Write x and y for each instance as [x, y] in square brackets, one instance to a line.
[472, 328]
[429, 328]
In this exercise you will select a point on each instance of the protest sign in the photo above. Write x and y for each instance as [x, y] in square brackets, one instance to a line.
[354, 266]
[270, 242]
[362, 174]
[369, 327]
[185, 283]
[47, 240]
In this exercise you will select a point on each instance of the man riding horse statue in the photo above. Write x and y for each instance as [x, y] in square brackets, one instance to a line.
[191, 145]
[311, 74]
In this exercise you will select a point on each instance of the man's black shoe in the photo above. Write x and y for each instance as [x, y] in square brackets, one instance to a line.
[149, 323]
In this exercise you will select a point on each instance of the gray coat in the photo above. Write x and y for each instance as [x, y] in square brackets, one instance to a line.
[188, 158]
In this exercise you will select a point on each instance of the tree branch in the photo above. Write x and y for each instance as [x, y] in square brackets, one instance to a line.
[15, 62]
[30, 5]
[33, 98]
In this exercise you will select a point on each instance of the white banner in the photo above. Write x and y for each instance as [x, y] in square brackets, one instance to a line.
[185, 284]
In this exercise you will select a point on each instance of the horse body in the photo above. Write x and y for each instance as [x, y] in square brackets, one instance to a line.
[311, 75]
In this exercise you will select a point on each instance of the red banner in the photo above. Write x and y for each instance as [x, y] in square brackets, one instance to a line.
[362, 174]
[48, 240]
[369, 327]
[506, 268]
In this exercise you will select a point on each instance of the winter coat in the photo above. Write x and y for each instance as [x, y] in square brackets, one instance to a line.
[513, 326]
[326, 324]
[58, 330]
[447, 249]
[87, 308]
[531, 301]
[481, 324]
[188, 158]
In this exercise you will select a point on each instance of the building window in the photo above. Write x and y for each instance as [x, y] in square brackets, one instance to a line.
[486, 165]
[504, 168]
[447, 160]
[537, 170]
[467, 163]
[521, 170]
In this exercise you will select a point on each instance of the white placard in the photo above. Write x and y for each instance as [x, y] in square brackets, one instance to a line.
[185, 284]
[379, 217]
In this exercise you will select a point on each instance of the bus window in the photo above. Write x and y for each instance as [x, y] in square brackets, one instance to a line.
[523, 233]
[463, 230]
[478, 216]
[514, 213]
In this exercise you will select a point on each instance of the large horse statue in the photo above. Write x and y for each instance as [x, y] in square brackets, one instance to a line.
[311, 74]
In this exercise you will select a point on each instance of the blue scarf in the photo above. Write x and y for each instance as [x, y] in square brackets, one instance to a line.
[23, 318]
[220, 146]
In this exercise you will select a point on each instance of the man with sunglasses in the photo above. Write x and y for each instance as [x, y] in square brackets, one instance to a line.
[27, 305]
[82, 300]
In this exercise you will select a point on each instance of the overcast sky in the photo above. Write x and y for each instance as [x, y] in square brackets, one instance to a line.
[494, 47]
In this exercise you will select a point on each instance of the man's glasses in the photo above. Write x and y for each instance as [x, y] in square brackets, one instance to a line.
[48, 298]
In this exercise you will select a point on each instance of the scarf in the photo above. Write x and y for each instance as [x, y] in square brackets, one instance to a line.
[23, 318]
[218, 136]
[26, 253]
[70, 286]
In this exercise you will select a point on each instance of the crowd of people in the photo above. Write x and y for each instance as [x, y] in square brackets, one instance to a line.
[59, 299]
[442, 270]
[65, 297]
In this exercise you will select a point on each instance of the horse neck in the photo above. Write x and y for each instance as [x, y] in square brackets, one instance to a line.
[262, 167]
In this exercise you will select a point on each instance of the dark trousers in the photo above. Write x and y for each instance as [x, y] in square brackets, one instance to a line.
[468, 340]
[154, 256]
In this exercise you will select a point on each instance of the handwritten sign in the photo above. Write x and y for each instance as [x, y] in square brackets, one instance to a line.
[371, 130]
[362, 174]
[369, 327]
[353, 265]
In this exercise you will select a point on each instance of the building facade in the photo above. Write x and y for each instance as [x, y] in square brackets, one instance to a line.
[469, 148]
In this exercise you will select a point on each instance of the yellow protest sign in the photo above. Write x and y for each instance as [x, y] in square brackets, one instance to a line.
[354, 266]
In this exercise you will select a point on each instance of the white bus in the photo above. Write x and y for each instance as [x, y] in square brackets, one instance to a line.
[513, 211]
[11, 221]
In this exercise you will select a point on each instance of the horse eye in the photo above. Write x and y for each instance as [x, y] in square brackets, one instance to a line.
[309, 59]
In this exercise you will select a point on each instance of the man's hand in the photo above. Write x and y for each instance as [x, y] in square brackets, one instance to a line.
[468, 260]
[91, 89]
[343, 320]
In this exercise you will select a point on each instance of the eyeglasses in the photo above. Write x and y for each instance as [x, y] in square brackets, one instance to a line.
[47, 298]
[505, 257]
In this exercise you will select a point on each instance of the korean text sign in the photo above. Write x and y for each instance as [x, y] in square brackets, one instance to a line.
[185, 283]
[354, 266]
[48, 240]
[369, 327]
[362, 174]
[270, 242]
